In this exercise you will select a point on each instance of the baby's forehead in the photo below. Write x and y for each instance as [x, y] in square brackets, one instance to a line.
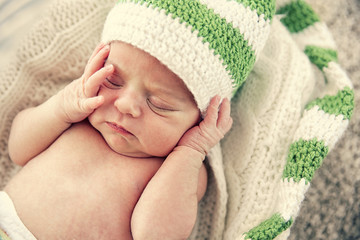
[127, 58]
[123, 55]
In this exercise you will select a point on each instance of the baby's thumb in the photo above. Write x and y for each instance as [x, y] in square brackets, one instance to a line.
[91, 104]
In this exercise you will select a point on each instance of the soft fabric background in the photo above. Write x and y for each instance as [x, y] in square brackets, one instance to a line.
[331, 209]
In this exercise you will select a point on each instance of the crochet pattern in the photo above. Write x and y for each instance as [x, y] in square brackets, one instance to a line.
[210, 45]
[320, 125]
[288, 114]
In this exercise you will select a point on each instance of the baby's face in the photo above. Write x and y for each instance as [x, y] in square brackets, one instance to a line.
[147, 107]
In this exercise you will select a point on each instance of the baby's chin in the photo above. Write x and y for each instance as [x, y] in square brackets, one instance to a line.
[133, 154]
[138, 154]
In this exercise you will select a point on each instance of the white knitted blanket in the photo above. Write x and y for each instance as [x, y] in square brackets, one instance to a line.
[290, 112]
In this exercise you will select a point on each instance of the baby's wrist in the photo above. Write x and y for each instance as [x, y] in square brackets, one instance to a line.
[191, 153]
[59, 108]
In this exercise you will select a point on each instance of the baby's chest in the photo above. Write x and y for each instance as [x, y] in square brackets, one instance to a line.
[79, 178]
[84, 158]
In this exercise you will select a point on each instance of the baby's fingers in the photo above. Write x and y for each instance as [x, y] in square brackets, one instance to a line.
[224, 121]
[96, 50]
[90, 104]
[92, 85]
[218, 116]
[212, 111]
[97, 61]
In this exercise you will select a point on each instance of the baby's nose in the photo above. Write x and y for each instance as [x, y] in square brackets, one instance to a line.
[129, 102]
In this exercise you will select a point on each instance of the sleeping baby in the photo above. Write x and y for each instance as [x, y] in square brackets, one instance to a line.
[116, 154]
[119, 153]
[110, 154]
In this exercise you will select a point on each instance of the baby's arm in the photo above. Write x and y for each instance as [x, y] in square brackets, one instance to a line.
[34, 129]
[167, 208]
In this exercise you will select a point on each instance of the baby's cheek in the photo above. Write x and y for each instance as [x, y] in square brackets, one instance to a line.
[163, 145]
[96, 116]
[92, 118]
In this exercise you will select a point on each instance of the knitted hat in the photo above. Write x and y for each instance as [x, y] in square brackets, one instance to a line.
[211, 45]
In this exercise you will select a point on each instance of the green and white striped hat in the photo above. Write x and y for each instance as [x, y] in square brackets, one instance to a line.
[211, 45]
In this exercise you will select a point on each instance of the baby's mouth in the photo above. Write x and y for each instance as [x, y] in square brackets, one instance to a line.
[119, 129]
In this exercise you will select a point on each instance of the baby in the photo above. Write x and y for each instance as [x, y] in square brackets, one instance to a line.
[116, 154]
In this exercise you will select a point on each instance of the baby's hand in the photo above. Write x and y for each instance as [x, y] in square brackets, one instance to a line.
[79, 99]
[211, 130]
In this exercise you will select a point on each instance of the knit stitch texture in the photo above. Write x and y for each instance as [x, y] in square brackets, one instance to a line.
[288, 115]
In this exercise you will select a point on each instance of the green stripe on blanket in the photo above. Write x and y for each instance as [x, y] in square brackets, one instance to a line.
[222, 37]
[3, 235]
[258, 5]
[299, 15]
[321, 56]
[341, 103]
[304, 158]
[269, 228]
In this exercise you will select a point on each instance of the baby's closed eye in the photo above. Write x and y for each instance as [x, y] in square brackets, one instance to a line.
[112, 83]
[156, 104]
